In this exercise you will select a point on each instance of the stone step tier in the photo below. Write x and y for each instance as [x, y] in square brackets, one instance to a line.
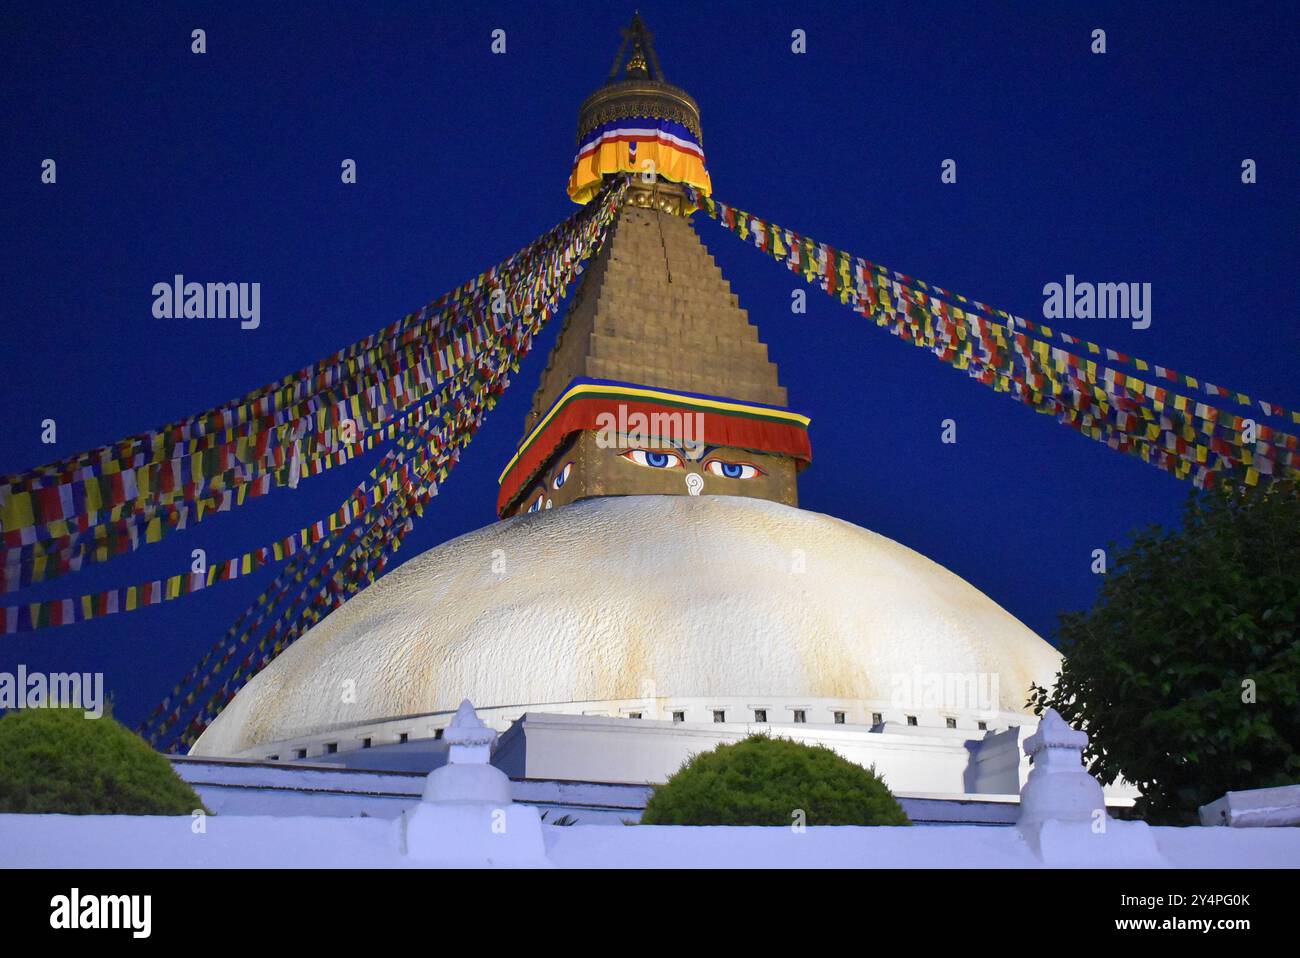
[654, 309]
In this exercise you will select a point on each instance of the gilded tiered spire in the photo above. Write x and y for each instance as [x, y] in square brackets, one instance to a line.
[654, 330]
[654, 308]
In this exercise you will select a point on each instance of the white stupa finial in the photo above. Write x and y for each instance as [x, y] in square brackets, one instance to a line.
[1055, 732]
[1063, 808]
[1059, 787]
[468, 814]
[470, 739]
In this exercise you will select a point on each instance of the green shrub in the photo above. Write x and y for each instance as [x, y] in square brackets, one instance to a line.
[55, 760]
[763, 781]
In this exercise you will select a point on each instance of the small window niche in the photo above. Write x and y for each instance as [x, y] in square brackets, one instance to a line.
[679, 716]
[911, 720]
[800, 716]
[839, 718]
[719, 715]
[760, 715]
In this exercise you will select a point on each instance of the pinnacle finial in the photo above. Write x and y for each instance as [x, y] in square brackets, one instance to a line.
[467, 729]
[642, 63]
[1054, 732]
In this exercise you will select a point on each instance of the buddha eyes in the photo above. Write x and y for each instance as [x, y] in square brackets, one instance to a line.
[732, 470]
[670, 460]
[562, 476]
[537, 504]
[653, 459]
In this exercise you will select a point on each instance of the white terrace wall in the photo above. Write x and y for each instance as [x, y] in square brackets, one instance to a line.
[87, 841]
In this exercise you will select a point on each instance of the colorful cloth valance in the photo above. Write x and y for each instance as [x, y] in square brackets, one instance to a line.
[626, 145]
[587, 403]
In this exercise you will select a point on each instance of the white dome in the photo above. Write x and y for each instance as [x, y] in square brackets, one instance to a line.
[604, 599]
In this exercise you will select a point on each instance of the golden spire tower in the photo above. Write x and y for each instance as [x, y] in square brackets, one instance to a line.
[658, 383]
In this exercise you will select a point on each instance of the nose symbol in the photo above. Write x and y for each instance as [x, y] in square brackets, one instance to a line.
[694, 483]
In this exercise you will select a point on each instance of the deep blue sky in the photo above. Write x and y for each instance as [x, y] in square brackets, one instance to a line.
[225, 167]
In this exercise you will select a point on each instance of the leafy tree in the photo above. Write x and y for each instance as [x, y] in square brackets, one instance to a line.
[765, 781]
[56, 760]
[1186, 671]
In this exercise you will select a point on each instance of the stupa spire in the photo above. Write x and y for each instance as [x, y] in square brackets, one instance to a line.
[658, 383]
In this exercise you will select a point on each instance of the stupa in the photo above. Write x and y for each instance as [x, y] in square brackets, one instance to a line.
[652, 569]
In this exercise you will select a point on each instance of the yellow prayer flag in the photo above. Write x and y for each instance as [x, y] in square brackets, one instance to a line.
[17, 512]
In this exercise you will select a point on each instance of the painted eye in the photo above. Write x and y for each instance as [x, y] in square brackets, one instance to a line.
[653, 458]
[537, 504]
[562, 476]
[732, 470]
